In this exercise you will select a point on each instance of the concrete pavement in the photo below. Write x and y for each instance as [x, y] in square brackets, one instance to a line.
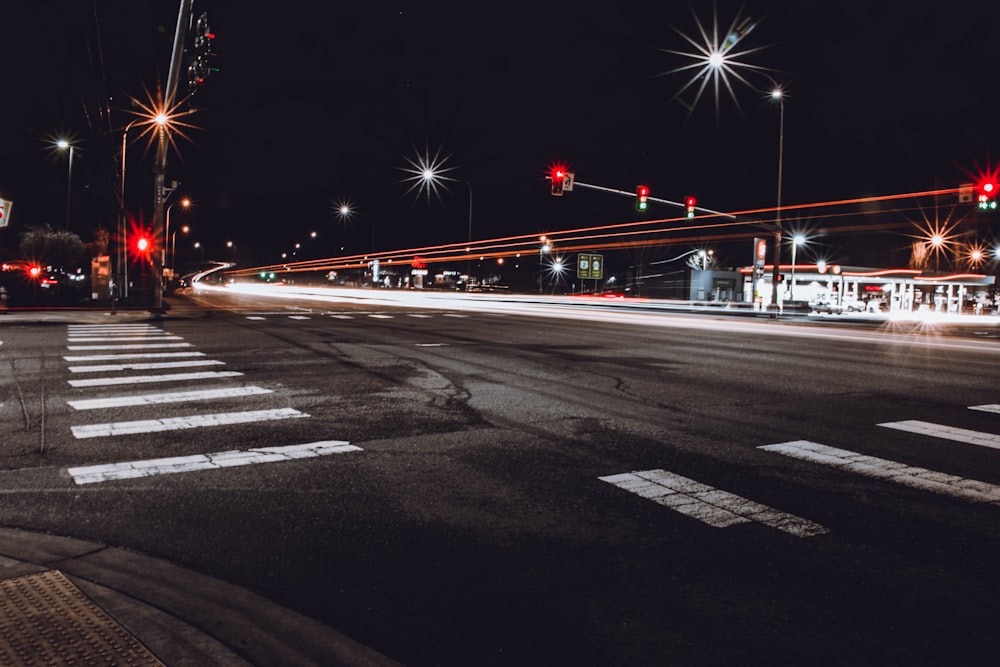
[68, 601]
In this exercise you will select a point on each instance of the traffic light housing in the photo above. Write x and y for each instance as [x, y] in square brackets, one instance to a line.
[689, 203]
[558, 178]
[987, 196]
[201, 60]
[641, 198]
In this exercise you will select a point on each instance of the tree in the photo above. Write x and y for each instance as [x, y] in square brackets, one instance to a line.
[59, 249]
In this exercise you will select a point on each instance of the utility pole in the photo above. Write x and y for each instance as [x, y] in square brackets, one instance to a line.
[160, 167]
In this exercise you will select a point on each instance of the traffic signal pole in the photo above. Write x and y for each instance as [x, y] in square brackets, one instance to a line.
[668, 202]
[160, 166]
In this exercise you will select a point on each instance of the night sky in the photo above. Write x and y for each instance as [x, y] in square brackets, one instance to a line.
[318, 103]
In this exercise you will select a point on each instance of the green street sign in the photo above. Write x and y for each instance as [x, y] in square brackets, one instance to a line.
[589, 266]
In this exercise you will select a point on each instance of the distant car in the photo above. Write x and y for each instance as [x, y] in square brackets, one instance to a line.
[824, 304]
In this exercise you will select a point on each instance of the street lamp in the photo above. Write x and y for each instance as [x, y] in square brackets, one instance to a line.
[230, 244]
[173, 244]
[62, 145]
[185, 203]
[542, 249]
[797, 240]
[778, 95]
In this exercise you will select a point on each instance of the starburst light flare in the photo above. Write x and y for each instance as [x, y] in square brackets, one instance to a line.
[428, 174]
[716, 63]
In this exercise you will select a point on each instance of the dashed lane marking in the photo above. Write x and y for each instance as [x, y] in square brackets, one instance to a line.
[342, 317]
[145, 379]
[892, 471]
[299, 317]
[167, 397]
[216, 461]
[180, 423]
[707, 504]
[419, 315]
[380, 316]
[947, 432]
[255, 317]
[145, 366]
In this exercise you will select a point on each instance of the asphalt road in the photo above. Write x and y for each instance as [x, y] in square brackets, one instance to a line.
[536, 485]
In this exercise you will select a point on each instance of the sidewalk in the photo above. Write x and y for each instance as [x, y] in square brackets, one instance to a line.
[67, 601]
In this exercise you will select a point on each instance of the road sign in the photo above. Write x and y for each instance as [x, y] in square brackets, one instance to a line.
[589, 265]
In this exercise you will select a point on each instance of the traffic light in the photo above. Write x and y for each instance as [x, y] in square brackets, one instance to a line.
[558, 177]
[34, 271]
[641, 198]
[987, 195]
[143, 247]
[689, 203]
[201, 60]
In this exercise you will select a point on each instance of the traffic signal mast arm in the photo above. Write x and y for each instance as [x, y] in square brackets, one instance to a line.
[631, 195]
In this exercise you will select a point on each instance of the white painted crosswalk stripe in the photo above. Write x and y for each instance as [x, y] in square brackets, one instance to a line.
[127, 346]
[707, 504]
[180, 423]
[215, 461]
[956, 434]
[892, 471]
[127, 339]
[127, 357]
[986, 408]
[145, 366]
[167, 397]
[145, 379]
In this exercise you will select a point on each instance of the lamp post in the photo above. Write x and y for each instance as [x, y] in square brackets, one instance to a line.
[173, 244]
[230, 244]
[185, 203]
[778, 95]
[797, 240]
[542, 249]
[62, 145]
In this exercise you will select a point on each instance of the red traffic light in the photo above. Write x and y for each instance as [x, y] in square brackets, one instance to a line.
[641, 198]
[142, 244]
[689, 203]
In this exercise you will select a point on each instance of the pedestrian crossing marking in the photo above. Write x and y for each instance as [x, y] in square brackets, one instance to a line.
[145, 379]
[892, 471]
[145, 366]
[986, 408]
[168, 397]
[127, 346]
[214, 461]
[180, 423]
[137, 355]
[947, 432]
[709, 505]
[129, 339]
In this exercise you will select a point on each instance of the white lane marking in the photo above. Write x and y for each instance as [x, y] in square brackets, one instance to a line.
[168, 397]
[993, 407]
[86, 328]
[454, 315]
[145, 366]
[218, 460]
[431, 344]
[420, 315]
[138, 355]
[707, 504]
[255, 317]
[132, 346]
[299, 317]
[380, 316]
[145, 379]
[180, 423]
[343, 317]
[869, 466]
[126, 339]
[947, 432]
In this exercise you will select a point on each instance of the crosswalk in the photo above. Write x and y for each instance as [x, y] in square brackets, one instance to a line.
[721, 509]
[121, 358]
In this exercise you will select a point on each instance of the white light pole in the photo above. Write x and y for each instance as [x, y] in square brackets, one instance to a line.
[778, 95]
[166, 231]
[62, 145]
[797, 240]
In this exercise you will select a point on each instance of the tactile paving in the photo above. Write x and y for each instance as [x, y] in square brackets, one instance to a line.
[46, 620]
